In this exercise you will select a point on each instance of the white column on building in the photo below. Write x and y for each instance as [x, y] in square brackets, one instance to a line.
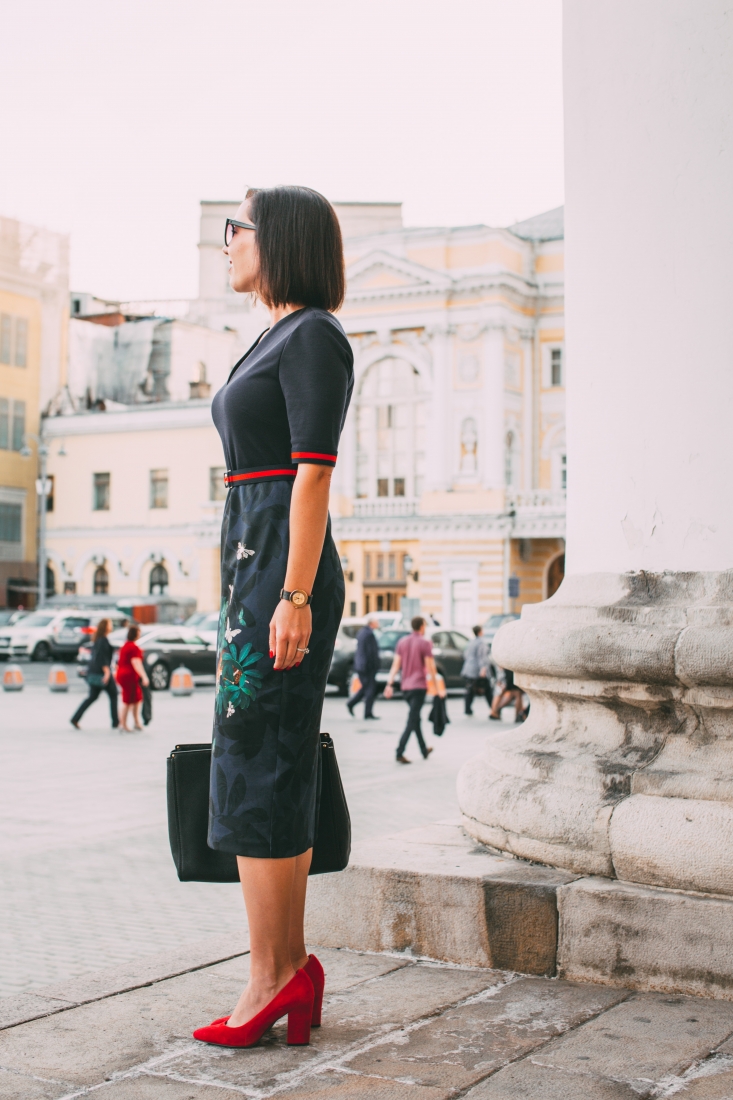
[624, 765]
[438, 458]
[528, 410]
[494, 435]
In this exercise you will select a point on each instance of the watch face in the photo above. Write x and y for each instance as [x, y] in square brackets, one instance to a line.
[298, 598]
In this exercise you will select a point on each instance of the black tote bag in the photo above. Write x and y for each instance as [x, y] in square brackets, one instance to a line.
[188, 768]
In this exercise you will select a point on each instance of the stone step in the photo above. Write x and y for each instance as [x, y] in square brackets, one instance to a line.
[435, 892]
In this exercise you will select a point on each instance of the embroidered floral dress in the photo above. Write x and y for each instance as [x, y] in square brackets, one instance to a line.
[284, 404]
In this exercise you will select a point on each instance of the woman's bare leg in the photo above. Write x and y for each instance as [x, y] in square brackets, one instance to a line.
[298, 953]
[123, 719]
[267, 885]
[136, 715]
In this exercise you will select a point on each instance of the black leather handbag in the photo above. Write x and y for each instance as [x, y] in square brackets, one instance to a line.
[188, 768]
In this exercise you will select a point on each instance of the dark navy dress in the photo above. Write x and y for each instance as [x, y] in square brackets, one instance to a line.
[285, 403]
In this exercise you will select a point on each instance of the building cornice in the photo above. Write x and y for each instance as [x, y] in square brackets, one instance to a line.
[135, 418]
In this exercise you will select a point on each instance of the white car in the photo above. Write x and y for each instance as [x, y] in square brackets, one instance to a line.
[43, 635]
[206, 625]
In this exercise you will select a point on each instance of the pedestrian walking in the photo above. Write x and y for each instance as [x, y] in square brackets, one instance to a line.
[366, 663]
[130, 675]
[99, 675]
[507, 695]
[476, 670]
[280, 417]
[414, 656]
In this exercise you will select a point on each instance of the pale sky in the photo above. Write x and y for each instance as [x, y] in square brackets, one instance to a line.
[119, 116]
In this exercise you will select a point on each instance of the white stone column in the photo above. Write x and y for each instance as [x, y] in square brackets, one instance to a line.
[625, 765]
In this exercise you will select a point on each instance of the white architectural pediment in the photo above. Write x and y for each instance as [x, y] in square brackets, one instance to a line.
[380, 272]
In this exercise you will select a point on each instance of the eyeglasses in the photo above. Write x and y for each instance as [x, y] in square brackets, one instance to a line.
[229, 229]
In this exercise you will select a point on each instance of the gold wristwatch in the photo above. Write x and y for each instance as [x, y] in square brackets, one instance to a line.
[297, 597]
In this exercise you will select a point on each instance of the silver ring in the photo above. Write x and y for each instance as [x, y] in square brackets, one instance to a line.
[299, 650]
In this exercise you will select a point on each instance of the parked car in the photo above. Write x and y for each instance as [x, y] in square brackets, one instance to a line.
[48, 634]
[164, 649]
[206, 624]
[10, 616]
[342, 662]
[493, 623]
[448, 647]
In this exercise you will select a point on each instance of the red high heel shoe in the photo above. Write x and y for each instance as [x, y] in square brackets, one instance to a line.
[294, 1000]
[314, 970]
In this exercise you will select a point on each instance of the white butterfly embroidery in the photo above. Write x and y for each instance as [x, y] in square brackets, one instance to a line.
[230, 708]
[229, 633]
[243, 552]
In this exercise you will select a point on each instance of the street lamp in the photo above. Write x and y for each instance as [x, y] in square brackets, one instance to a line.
[344, 565]
[43, 488]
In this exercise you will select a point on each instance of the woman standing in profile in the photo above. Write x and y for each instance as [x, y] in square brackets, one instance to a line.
[130, 674]
[99, 675]
[280, 417]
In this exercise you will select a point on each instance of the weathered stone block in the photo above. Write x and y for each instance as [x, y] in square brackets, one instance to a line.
[434, 892]
[646, 938]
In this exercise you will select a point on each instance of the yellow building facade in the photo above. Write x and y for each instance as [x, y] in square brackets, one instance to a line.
[33, 302]
[451, 471]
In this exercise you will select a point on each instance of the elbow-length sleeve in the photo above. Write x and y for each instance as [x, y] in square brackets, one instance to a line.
[316, 377]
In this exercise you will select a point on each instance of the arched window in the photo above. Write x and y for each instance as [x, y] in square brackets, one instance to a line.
[158, 580]
[101, 581]
[509, 471]
[390, 431]
[555, 574]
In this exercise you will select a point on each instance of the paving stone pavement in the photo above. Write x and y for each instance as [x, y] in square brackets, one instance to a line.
[87, 877]
[393, 1028]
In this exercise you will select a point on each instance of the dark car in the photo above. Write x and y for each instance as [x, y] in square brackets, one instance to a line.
[342, 662]
[493, 623]
[448, 647]
[164, 649]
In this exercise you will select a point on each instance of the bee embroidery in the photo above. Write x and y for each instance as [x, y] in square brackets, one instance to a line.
[243, 552]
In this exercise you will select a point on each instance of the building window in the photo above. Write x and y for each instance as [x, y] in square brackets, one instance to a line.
[4, 423]
[390, 430]
[159, 489]
[101, 581]
[18, 425]
[556, 366]
[158, 580]
[21, 342]
[11, 519]
[69, 588]
[352, 609]
[101, 493]
[217, 488]
[6, 338]
[563, 471]
[50, 495]
[367, 567]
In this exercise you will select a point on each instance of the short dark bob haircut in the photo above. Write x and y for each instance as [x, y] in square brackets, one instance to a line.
[300, 248]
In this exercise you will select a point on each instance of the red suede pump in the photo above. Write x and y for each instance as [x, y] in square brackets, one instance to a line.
[294, 1000]
[314, 970]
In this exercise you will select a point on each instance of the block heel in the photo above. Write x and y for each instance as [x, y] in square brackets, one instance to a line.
[299, 1026]
[314, 970]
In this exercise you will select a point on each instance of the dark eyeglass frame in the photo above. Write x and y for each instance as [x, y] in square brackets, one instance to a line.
[240, 225]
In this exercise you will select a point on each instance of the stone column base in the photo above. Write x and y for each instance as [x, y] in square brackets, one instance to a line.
[624, 767]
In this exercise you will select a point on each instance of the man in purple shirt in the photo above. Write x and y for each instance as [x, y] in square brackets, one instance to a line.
[414, 655]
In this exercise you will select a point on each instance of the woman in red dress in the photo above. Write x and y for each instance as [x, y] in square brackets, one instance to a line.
[130, 674]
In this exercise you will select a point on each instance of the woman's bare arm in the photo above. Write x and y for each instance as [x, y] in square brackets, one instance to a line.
[290, 627]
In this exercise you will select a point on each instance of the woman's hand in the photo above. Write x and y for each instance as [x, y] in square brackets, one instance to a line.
[290, 631]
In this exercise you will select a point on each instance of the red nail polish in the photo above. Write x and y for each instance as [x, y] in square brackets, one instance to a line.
[298, 665]
[271, 653]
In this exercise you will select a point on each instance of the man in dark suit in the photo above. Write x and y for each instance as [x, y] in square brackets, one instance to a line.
[366, 663]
